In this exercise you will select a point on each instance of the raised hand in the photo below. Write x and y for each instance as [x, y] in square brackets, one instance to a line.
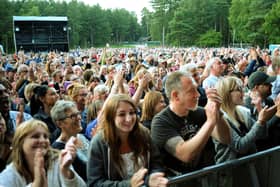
[118, 78]
[40, 178]
[212, 107]
[67, 157]
[138, 178]
[158, 180]
[19, 117]
[144, 81]
[256, 100]
[266, 113]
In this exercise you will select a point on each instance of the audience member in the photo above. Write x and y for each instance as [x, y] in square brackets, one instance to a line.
[182, 129]
[122, 152]
[78, 93]
[152, 104]
[35, 164]
[215, 66]
[276, 84]
[244, 129]
[68, 118]
[255, 62]
[260, 86]
[193, 70]
[41, 104]
[93, 111]
[12, 118]
[5, 144]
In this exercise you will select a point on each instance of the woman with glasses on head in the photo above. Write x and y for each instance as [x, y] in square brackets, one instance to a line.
[122, 152]
[244, 129]
[68, 118]
[35, 163]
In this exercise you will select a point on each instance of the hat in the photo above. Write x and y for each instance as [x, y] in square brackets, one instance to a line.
[258, 78]
[10, 68]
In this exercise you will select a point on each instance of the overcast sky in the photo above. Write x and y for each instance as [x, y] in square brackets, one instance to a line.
[130, 5]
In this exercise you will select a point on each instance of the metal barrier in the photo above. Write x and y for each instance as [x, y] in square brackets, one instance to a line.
[258, 170]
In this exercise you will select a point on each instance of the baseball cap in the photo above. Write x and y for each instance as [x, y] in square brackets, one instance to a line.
[258, 78]
[10, 68]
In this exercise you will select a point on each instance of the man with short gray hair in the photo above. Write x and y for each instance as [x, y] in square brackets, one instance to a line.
[215, 66]
[182, 130]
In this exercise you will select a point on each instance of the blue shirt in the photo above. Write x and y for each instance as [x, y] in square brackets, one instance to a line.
[90, 126]
[275, 88]
[13, 117]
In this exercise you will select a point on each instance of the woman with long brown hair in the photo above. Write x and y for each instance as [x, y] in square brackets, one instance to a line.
[122, 153]
[153, 103]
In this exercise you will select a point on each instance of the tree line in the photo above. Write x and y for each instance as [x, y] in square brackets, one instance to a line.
[214, 22]
[202, 23]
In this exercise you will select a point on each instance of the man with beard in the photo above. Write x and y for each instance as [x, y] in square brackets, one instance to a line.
[260, 86]
[182, 130]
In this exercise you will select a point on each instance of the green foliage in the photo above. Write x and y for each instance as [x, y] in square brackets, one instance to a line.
[90, 25]
[185, 20]
[272, 22]
[247, 20]
[6, 27]
[174, 22]
[210, 39]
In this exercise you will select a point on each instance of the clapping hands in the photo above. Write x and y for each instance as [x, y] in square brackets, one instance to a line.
[212, 107]
[67, 157]
[40, 177]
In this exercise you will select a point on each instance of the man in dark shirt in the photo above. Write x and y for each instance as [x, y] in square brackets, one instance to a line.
[182, 130]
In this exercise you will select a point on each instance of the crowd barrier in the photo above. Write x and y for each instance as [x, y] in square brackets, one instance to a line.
[257, 170]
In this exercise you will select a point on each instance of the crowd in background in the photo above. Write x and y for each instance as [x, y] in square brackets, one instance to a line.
[128, 117]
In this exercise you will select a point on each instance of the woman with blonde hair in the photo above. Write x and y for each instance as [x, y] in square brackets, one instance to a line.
[122, 152]
[244, 130]
[153, 103]
[28, 93]
[35, 163]
[93, 111]
[78, 93]
[50, 67]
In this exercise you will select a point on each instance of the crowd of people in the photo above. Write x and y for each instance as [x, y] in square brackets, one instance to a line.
[133, 117]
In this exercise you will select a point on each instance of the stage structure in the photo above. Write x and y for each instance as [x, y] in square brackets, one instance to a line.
[41, 33]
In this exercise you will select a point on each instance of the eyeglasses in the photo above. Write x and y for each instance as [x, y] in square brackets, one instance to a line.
[238, 89]
[72, 116]
[83, 94]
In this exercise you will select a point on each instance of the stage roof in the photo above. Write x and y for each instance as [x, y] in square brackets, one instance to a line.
[40, 18]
